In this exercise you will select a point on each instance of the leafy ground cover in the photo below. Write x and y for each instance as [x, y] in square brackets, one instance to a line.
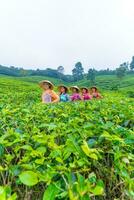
[75, 151]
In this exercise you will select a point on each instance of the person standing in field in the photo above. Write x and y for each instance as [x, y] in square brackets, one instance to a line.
[48, 95]
[85, 94]
[64, 96]
[95, 93]
[75, 93]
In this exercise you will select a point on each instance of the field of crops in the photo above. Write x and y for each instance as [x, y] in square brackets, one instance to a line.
[72, 151]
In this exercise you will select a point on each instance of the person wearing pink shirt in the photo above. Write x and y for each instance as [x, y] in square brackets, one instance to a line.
[85, 94]
[95, 93]
[75, 93]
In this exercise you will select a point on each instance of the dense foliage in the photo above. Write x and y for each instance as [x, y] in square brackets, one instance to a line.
[77, 72]
[20, 72]
[76, 151]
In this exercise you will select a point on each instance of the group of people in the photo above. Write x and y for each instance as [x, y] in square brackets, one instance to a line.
[78, 94]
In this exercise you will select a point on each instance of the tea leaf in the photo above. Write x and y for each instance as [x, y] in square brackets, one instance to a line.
[28, 178]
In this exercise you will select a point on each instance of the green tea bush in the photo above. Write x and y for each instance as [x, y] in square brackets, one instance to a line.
[76, 151]
[130, 94]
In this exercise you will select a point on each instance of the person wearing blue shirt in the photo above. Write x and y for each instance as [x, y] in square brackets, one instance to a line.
[64, 96]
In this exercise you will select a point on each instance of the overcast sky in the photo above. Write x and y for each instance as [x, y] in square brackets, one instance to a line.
[49, 33]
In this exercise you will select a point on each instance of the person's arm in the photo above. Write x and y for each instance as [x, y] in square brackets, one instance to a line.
[90, 96]
[72, 98]
[55, 97]
[68, 97]
[99, 96]
[80, 97]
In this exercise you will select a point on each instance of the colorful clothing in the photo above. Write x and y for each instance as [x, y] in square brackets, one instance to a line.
[47, 98]
[75, 97]
[64, 97]
[86, 96]
[50, 96]
[95, 95]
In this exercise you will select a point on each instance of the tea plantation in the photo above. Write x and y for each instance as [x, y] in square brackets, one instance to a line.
[65, 151]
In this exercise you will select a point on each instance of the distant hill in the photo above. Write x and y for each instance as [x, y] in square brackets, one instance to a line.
[107, 82]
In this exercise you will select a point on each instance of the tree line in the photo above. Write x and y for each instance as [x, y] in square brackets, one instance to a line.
[77, 72]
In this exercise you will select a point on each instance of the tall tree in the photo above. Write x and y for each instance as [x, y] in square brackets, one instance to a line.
[60, 69]
[121, 71]
[91, 75]
[23, 72]
[132, 64]
[78, 71]
[125, 65]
